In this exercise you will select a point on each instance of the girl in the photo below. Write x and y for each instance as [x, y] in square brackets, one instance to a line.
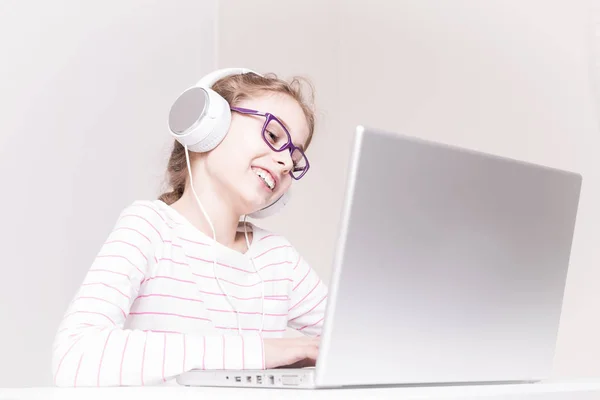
[180, 282]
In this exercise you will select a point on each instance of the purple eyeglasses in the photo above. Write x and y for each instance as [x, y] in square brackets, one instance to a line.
[277, 137]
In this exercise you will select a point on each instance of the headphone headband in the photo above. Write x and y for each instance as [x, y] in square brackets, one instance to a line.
[210, 79]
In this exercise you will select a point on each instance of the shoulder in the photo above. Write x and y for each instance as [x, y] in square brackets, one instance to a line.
[151, 216]
[271, 243]
[263, 236]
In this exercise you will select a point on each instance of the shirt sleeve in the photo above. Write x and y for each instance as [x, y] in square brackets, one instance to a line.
[308, 299]
[92, 347]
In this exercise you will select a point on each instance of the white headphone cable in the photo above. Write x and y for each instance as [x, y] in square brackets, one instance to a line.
[262, 304]
[187, 159]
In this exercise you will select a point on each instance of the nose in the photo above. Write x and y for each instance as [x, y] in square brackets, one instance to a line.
[284, 160]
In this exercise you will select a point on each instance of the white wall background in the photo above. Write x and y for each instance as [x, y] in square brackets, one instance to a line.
[82, 84]
[85, 88]
[509, 77]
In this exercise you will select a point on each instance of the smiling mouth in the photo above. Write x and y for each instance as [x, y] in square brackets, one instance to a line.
[265, 176]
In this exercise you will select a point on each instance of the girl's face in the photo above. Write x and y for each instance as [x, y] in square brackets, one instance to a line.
[238, 166]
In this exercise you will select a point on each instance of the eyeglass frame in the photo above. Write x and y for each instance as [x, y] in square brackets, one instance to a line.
[289, 145]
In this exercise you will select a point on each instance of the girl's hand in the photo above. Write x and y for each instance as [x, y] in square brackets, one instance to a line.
[291, 352]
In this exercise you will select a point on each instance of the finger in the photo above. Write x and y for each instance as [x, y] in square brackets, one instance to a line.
[299, 353]
[311, 352]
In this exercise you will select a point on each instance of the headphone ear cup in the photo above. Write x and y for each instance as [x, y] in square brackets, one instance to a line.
[220, 114]
[200, 119]
[272, 209]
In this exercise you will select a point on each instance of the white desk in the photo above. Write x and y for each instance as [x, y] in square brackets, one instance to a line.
[566, 390]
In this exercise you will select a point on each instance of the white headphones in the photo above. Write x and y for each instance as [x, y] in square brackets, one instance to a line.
[200, 119]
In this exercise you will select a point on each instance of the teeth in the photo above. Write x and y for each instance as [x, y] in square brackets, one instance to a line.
[265, 177]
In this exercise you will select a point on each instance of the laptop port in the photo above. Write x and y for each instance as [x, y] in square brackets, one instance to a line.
[249, 379]
[238, 378]
[290, 380]
[259, 379]
[271, 380]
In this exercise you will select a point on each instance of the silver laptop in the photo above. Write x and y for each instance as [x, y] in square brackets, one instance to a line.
[450, 269]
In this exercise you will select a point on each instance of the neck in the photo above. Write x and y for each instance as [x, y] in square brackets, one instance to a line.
[224, 220]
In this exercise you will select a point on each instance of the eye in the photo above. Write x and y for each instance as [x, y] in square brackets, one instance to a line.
[272, 136]
[298, 166]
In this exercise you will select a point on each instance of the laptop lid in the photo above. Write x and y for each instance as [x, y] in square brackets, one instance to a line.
[451, 266]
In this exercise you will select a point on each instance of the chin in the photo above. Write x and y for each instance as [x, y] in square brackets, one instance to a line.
[255, 203]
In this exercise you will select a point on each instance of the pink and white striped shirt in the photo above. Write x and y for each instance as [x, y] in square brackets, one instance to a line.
[150, 307]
